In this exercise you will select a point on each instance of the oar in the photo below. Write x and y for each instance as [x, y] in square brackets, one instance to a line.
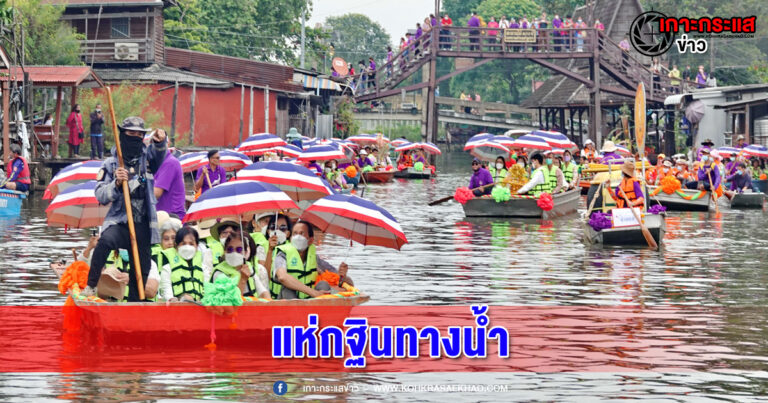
[445, 199]
[712, 190]
[647, 234]
[594, 199]
[362, 176]
[127, 201]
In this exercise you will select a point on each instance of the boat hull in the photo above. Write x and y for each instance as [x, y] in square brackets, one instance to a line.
[674, 202]
[412, 173]
[748, 200]
[379, 176]
[564, 203]
[10, 202]
[628, 236]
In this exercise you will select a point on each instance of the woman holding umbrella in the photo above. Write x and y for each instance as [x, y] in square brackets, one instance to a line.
[211, 175]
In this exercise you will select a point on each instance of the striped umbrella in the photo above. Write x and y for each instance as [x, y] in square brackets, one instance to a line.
[623, 150]
[356, 219]
[399, 142]
[477, 138]
[288, 150]
[756, 150]
[729, 151]
[554, 139]
[191, 161]
[504, 140]
[531, 141]
[77, 207]
[322, 153]
[258, 143]
[487, 150]
[425, 145]
[74, 174]
[239, 198]
[230, 160]
[367, 139]
[310, 143]
[299, 183]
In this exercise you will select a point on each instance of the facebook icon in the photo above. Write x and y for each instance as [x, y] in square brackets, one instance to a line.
[280, 388]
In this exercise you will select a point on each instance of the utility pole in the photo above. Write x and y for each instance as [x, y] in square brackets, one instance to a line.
[303, 33]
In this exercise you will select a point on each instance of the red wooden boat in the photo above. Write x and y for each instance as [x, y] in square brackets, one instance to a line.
[379, 176]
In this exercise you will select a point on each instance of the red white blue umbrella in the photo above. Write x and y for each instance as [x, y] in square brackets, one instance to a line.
[477, 138]
[77, 207]
[191, 161]
[322, 153]
[623, 150]
[309, 143]
[756, 150]
[239, 198]
[367, 139]
[426, 146]
[288, 150]
[355, 219]
[74, 174]
[487, 150]
[531, 141]
[554, 139]
[297, 182]
[504, 140]
[257, 144]
[230, 160]
[399, 142]
[729, 151]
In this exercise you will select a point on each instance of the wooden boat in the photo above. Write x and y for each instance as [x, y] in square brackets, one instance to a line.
[379, 176]
[627, 236]
[676, 202]
[761, 185]
[584, 184]
[523, 206]
[412, 173]
[748, 200]
[10, 202]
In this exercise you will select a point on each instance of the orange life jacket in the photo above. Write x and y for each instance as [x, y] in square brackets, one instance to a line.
[628, 186]
[24, 176]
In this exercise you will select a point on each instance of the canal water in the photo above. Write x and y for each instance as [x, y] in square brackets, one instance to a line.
[713, 269]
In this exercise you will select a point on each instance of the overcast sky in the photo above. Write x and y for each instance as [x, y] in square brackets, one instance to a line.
[396, 16]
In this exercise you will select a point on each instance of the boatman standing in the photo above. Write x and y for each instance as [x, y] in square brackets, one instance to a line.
[141, 163]
[18, 172]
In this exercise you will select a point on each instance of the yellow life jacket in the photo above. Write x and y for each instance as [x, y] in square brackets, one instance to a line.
[186, 276]
[304, 272]
[233, 272]
[217, 249]
[550, 181]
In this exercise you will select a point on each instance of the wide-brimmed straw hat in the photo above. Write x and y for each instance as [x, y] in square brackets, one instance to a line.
[112, 284]
[628, 168]
[226, 221]
[609, 147]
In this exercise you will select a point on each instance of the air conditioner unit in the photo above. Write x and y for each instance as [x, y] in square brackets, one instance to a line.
[126, 51]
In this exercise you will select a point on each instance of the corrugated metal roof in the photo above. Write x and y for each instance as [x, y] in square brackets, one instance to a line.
[96, 3]
[55, 76]
[156, 73]
[234, 69]
[741, 102]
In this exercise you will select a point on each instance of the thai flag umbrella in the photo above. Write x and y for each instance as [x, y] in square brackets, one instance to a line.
[426, 146]
[623, 150]
[756, 150]
[367, 139]
[477, 138]
[322, 153]
[239, 198]
[399, 142]
[77, 207]
[355, 219]
[554, 139]
[310, 143]
[729, 151]
[74, 174]
[531, 141]
[504, 140]
[488, 150]
[230, 160]
[288, 150]
[257, 144]
[191, 161]
[299, 183]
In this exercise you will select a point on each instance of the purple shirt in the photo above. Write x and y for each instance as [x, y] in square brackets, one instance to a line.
[418, 33]
[389, 56]
[557, 23]
[738, 182]
[315, 167]
[473, 22]
[514, 25]
[364, 161]
[481, 177]
[216, 177]
[715, 173]
[730, 168]
[607, 157]
[433, 21]
[701, 79]
[170, 178]
[372, 65]
[419, 158]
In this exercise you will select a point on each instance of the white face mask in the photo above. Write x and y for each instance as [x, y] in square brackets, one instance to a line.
[499, 165]
[264, 230]
[300, 242]
[521, 163]
[333, 166]
[187, 252]
[280, 236]
[327, 170]
[234, 259]
[223, 240]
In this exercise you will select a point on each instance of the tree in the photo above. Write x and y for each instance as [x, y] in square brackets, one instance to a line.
[516, 9]
[460, 9]
[183, 28]
[357, 37]
[561, 7]
[47, 39]
[344, 121]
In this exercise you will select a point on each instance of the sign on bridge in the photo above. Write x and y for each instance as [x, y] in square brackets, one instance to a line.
[516, 35]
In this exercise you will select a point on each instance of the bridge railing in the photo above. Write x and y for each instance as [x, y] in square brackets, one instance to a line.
[473, 41]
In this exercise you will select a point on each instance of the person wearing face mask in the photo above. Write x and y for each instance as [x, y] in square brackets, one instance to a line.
[279, 231]
[741, 181]
[168, 228]
[237, 264]
[184, 272]
[295, 267]
[629, 186]
[706, 173]
[480, 177]
[666, 169]
[540, 181]
[259, 233]
[141, 162]
[499, 169]
[556, 178]
[219, 233]
[570, 171]
[334, 176]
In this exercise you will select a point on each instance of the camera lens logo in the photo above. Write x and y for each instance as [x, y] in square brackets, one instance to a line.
[280, 388]
[645, 36]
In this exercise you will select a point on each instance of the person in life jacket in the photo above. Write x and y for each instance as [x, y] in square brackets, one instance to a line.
[708, 175]
[259, 236]
[17, 177]
[571, 172]
[666, 169]
[589, 152]
[334, 176]
[405, 159]
[184, 272]
[168, 227]
[544, 177]
[217, 233]
[239, 251]
[498, 170]
[629, 186]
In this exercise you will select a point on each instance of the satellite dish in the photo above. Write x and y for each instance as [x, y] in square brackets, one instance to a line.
[340, 66]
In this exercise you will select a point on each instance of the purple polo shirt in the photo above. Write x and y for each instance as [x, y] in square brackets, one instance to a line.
[714, 173]
[481, 177]
[738, 182]
[557, 23]
[607, 157]
[170, 178]
[473, 22]
[217, 177]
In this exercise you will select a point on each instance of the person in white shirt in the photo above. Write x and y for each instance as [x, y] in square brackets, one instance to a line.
[538, 178]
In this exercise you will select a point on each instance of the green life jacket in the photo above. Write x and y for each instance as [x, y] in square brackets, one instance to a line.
[502, 173]
[232, 272]
[568, 172]
[550, 181]
[186, 277]
[306, 273]
[119, 264]
[158, 256]
[217, 249]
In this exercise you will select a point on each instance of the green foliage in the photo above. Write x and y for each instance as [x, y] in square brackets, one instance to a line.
[47, 39]
[458, 9]
[356, 37]
[516, 9]
[507, 81]
[561, 7]
[760, 71]
[129, 100]
[183, 28]
[344, 121]
[410, 132]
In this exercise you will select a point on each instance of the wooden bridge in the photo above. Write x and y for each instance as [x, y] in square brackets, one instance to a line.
[594, 50]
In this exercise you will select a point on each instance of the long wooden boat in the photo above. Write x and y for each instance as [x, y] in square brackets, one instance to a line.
[748, 200]
[682, 200]
[584, 185]
[412, 173]
[379, 176]
[627, 236]
[10, 202]
[523, 206]
[761, 185]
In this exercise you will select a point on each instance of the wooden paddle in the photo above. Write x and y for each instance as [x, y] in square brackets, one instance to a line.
[127, 200]
[646, 234]
[594, 199]
[712, 190]
[445, 199]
